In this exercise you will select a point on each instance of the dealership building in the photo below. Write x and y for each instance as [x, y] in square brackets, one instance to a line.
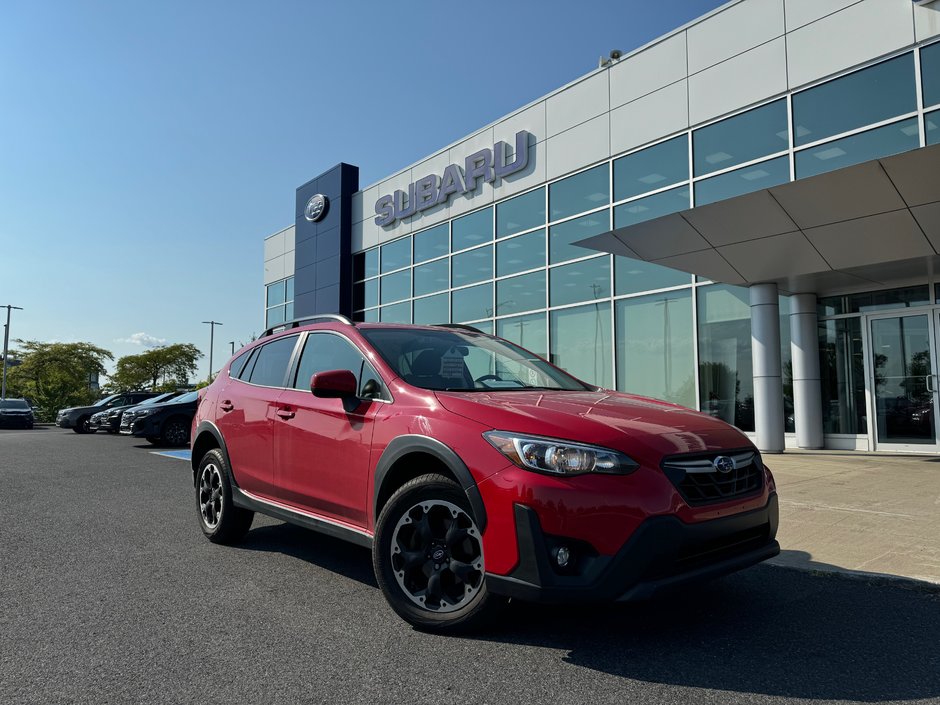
[742, 217]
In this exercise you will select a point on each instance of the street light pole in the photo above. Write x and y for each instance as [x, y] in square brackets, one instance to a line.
[6, 348]
[212, 325]
[232, 343]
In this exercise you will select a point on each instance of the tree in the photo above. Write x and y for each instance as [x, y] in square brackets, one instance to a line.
[163, 368]
[56, 375]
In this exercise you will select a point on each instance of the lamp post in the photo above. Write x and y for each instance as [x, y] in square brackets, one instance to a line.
[232, 343]
[6, 347]
[212, 325]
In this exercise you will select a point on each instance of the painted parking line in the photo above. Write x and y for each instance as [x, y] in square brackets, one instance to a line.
[178, 454]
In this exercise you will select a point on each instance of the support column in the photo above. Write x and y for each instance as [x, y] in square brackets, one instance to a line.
[807, 384]
[765, 355]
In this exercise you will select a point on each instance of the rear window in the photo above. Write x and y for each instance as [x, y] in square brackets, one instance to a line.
[270, 368]
[14, 404]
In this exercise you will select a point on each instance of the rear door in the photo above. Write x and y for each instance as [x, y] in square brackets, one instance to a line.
[323, 446]
[245, 413]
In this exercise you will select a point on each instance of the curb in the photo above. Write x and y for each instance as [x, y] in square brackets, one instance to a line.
[882, 579]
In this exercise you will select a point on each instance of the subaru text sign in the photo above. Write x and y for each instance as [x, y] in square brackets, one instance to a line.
[486, 165]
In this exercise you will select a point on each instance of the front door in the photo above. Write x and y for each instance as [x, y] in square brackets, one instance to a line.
[903, 381]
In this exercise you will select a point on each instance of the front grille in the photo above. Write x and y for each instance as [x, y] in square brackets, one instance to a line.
[700, 482]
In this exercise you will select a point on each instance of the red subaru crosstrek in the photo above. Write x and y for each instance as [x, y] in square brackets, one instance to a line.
[474, 470]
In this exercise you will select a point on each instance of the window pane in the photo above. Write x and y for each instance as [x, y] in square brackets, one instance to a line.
[324, 352]
[271, 365]
[371, 289]
[529, 332]
[655, 355]
[396, 286]
[562, 236]
[842, 369]
[516, 294]
[872, 301]
[289, 311]
[432, 277]
[930, 74]
[399, 313]
[741, 138]
[724, 343]
[431, 243]
[473, 266]
[861, 98]
[881, 142]
[276, 293]
[471, 304]
[432, 310]
[371, 316]
[736, 183]
[632, 276]
[472, 229]
[652, 168]
[581, 192]
[518, 254]
[581, 281]
[289, 295]
[274, 316]
[581, 343]
[651, 207]
[396, 255]
[932, 121]
[366, 264]
[520, 213]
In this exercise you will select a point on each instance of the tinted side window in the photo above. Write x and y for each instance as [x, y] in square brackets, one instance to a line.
[245, 371]
[271, 366]
[238, 364]
[323, 352]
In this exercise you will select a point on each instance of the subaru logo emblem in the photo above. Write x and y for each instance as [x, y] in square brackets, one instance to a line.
[724, 464]
[316, 208]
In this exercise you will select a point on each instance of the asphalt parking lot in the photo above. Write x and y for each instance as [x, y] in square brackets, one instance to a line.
[110, 594]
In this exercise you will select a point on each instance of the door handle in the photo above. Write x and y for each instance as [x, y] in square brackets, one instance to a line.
[285, 413]
[226, 405]
[930, 387]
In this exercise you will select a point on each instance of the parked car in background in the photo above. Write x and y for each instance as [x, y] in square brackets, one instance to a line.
[78, 418]
[475, 470]
[110, 419]
[16, 413]
[165, 424]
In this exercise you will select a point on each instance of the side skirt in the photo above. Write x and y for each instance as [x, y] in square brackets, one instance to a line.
[308, 521]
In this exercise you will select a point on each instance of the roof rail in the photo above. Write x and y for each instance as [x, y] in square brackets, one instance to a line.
[459, 326]
[306, 320]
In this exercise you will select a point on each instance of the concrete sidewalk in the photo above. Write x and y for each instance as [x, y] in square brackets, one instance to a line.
[859, 512]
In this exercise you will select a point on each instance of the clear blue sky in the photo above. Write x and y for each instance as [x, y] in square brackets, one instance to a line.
[146, 149]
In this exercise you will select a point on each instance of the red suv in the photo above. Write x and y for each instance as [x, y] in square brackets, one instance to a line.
[474, 470]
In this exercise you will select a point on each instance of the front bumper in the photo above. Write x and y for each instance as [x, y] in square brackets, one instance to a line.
[16, 420]
[663, 553]
[64, 422]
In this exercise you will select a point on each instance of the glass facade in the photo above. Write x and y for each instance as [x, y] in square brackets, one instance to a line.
[513, 267]
[279, 302]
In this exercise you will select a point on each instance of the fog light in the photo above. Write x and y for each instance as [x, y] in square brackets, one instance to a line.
[562, 556]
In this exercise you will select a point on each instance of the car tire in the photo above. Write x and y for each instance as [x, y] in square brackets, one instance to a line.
[154, 440]
[175, 432]
[220, 520]
[81, 426]
[428, 557]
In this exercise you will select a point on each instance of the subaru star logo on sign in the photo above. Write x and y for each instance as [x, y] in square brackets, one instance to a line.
[316, 208]
[724, 464]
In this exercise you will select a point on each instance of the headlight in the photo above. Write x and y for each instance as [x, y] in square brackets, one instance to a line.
[145, 412]
[559, 457]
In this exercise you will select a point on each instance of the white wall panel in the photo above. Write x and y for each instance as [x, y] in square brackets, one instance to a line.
[802, 12]
[577, 104]
[651, 117]
[648, 71]
[578, 147]
[484, 191]
[927, 20]
[747, 78]
[274, 270]
[531, 119]
[275, 245]
[732, 31]
[847, 38]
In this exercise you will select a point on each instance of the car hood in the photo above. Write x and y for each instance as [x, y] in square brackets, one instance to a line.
[632, 424]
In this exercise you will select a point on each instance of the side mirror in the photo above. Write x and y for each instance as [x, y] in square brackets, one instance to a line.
[333, 384]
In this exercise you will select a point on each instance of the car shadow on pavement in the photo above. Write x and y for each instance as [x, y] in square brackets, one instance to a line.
[323, 551]
[769, 630]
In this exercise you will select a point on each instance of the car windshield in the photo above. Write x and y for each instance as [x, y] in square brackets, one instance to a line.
[102, 402]
[14, 404]
[157, 399]
[182, 399]
[456, 360]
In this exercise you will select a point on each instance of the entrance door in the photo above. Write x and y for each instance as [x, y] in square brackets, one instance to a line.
[904, 381]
